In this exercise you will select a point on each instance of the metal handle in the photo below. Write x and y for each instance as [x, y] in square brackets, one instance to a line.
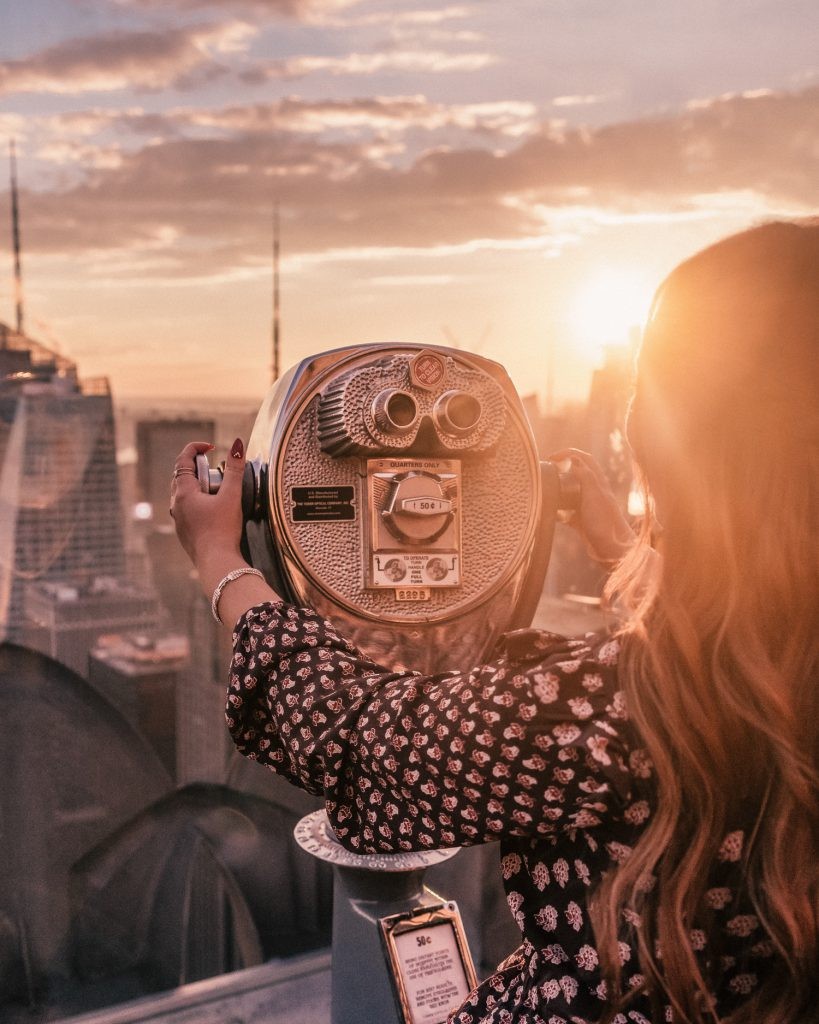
[568, 492]
[560, 499]
[210, 480]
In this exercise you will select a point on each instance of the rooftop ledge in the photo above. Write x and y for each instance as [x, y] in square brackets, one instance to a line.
[277, 992]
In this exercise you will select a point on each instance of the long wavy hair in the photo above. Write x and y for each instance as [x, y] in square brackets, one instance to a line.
[720, 662]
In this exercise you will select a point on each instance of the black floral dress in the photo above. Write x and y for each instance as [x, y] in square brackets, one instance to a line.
[533, 750]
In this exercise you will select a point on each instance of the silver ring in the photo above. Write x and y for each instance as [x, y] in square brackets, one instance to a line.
[180, 472]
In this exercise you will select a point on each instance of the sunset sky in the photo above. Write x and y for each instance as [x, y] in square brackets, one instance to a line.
[508, 175]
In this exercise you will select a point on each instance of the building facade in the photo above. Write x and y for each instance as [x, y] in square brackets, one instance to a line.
[63, 574]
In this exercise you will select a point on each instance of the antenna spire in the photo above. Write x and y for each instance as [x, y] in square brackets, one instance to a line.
[15, 230]
[276, 302]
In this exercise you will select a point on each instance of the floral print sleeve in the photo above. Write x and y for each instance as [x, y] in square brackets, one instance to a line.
[532, 744]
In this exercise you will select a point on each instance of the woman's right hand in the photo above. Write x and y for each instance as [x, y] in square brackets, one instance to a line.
[208, 523]
[599, 520]
[209, 527]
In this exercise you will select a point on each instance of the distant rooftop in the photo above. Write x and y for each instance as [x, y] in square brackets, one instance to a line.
[74, 601]
[134, 653]
[26, 363]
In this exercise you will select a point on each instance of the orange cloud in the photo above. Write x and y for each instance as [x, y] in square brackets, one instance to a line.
[383, 117]
[377, 113]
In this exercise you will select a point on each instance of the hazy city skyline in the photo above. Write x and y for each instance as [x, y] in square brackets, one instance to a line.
[114, 889]
[509, 177]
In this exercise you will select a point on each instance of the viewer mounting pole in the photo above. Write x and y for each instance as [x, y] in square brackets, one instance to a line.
[15, 229]
[276, 302]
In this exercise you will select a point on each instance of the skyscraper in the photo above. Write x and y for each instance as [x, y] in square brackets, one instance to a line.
[61, 538]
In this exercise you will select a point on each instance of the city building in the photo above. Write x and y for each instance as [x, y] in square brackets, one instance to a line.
[158, 442]
[204, 748]
[63, 574]
[74, 770]
[606, 415]
[139, 673]
[114, 883]
[63, 618]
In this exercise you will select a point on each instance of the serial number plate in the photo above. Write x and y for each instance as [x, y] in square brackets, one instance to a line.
[412, 593]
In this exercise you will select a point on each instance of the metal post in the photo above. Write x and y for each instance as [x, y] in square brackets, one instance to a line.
[15, 228]
[366, 889]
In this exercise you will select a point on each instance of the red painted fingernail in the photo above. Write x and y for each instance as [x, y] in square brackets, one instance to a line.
[238, 449]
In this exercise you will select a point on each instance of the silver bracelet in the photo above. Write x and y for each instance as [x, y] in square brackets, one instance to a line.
[234, 574]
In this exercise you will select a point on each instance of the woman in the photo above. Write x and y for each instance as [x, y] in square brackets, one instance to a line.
[656, 793]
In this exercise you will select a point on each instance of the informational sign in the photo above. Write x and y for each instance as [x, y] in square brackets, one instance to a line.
[415, 569]
[322, 504]
[431, 967]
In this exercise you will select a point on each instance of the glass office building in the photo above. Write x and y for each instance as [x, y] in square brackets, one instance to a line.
[61, 534]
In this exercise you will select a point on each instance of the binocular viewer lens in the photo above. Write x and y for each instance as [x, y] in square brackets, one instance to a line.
[395, 412]
[420, 406]
[455, 412]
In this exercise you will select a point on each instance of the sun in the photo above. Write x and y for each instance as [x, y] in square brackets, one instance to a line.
[607, 307]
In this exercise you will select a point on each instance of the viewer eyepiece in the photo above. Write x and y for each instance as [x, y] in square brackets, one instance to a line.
[457, 412]
[395, 411]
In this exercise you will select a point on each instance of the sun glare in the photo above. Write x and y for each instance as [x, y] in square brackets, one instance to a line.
[606, 309]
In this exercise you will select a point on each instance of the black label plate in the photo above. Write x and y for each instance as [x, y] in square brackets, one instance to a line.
[322, 504]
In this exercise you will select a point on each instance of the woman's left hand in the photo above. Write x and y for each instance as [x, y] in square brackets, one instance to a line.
[599, 520]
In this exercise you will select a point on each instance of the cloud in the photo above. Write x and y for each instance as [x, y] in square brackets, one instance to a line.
[83, 124]
[191, 55]
[376, 114]
[400, 22]
[202, 206]
[121, 60]
[329, 13]
[420, 16]
[406, 60]
[763, 141]
[303, 10]
[390, 129]
[586, 100]
[63, 153]
[502, 122]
